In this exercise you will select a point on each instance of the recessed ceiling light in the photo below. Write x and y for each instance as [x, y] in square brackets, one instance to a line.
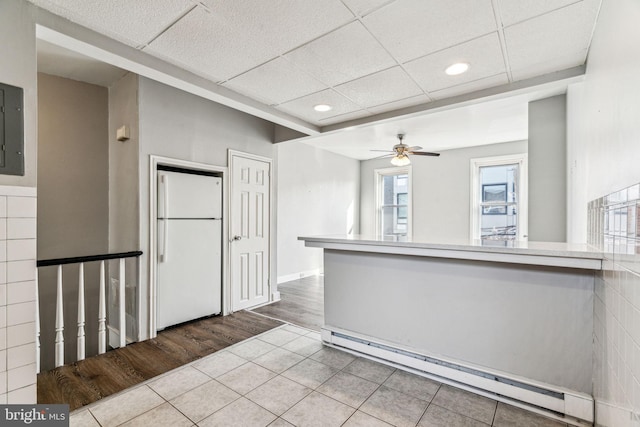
[322, 107]
[457, 68]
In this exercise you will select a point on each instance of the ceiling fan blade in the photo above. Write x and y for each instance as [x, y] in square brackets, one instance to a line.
[424, 153]
[384, 151]
[383, 156]
[414, 148]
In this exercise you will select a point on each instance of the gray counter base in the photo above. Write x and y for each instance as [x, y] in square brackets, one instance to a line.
[533, 322]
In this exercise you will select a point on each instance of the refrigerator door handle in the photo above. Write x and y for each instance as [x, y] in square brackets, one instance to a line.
[165, 233]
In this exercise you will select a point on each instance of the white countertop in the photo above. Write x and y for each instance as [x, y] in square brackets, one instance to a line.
[538, 253]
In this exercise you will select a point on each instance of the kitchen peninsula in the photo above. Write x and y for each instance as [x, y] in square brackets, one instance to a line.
[510, 322]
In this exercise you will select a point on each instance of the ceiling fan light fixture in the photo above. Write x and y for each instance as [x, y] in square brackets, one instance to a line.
[457, 68]
[400, 160]
[322, 108]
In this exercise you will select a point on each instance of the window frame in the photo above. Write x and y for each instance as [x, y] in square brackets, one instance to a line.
[476, 197]
[379, 174]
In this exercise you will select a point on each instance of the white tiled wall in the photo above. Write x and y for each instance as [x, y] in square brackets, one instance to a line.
[617, 310]
[17, 294]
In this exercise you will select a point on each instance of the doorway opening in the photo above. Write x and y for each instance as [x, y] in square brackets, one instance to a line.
[157, 230]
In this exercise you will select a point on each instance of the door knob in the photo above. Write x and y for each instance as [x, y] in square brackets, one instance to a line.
[237, 237]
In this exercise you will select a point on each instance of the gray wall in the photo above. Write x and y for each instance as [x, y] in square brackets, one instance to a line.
[183, 126]
[18, 68]
[124, 204]
[72, 198]
[73, 170]
[548, 170]
[18, 53]
[318, 194]
[441, 186]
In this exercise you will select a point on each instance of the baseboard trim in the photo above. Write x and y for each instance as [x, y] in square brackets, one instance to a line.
[301, 275]
[532, 395]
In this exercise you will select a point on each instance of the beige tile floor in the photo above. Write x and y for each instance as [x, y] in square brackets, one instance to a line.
[286, 377]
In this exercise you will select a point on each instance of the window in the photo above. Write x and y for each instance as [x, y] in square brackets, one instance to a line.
[402, 202]
[393, 208]
[498, 199]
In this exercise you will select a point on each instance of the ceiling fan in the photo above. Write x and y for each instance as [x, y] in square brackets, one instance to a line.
[401, 152]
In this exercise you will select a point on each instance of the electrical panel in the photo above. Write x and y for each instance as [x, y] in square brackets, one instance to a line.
[11, 130]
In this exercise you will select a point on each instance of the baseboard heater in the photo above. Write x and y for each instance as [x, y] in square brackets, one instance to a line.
[537, 397]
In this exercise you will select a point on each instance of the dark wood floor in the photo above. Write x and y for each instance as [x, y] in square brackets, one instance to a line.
[84, 382]
[92, 379]
[302, 303]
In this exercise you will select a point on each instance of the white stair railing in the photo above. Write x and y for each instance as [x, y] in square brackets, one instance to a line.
[59, 320]
[81, 339]
[102, 313]
[122, 312]
[59, 343]
[37, 328]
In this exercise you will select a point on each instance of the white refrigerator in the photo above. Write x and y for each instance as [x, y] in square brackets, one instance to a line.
[189, 264]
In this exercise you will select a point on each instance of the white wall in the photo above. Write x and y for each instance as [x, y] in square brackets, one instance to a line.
[17, 291]
[318, 194]
[441, 190]
[183, 126]
[603, 129]
[604, 148]
[606, 126]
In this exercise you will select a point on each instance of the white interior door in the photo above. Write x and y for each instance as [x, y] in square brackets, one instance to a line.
[249, 219]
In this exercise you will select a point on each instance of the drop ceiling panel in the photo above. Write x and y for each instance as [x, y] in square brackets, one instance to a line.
[383, 87]
[403, 103]
[345, 54]
[197, 43]
[277, 26]
[237, 36]
[484, 56]
[275, 82]
[516, 11]
[303, 107]
[362, 7]
[563, 32]
[132, 22]
[470, 87]
[413, 28]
